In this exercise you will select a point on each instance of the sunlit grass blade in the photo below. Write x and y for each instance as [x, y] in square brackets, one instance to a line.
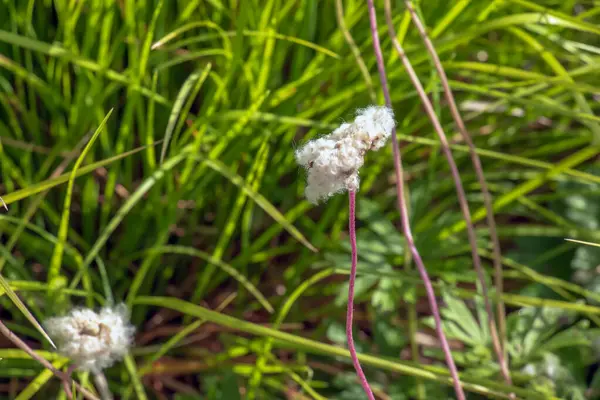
[220, 264]
[253, 181]
[257, 374]
[56, 260]
[50, 183]
[136, 382]
[549, 14]
[583, 242]
[39, 381]
[260, 200]
[32, 286]
[526, 187]
[122, 213]
[200, 76]
[55, 50]
[477, 385]
[23, 308]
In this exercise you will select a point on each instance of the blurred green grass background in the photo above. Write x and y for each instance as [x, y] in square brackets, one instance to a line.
[190, 199]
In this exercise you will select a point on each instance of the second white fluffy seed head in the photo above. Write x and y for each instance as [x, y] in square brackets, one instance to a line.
[333, 161]
[93, 341]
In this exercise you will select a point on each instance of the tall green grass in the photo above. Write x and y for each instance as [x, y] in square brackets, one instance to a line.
[189, 206]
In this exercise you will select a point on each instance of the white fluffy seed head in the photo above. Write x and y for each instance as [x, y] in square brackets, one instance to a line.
[333, 161]
[377, 123]
[93, 341]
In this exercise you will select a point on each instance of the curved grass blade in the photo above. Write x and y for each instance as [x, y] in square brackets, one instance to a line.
[233, 220]
[526, 187]
[198, 24]
[57, 51]
[564, 19]
[4, 285]
[220, 264]
[561, 71]
[135, 377]
[56, 260]
[583, 242]
[508, 298]
[32, 286]
[50, 183]
[246, 32]
[258, 199]
[179, 336]
[36, 384]
[189, 83]
[256, 375]
[123, 211]
[441, 375]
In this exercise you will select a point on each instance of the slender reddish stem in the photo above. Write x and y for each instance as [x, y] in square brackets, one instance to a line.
[499, 344]
[404, 214]
[45, 363]
[462, 198]
[352, 280]
[65, 382]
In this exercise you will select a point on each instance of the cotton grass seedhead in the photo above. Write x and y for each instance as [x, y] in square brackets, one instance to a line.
[93, 341]
[333, 161]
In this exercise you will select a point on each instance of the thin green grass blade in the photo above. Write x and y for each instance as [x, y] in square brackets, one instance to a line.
[32, 286]
[233, 220]
[440, 375]
[138, 387]
[50, 183]
[110, 300]
[293, 39]
[185, 111]
[172, 342]
[549, 14]
[509, 298]
[34, 81]
[147, 45]
[122, 213]
[36, 384]
[583, 242]
[192, 25]
[256, 376]
[178, 337]
[526, 187]
[56, 261]
[178, 105]
[449, 17]
[260, 200]
[62, 53]
[35, 203]
[220, 264]
[150, 154]
[4, 285]
[558, 68]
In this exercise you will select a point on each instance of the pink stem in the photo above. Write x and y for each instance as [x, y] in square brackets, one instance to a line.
[349, 314]
[45, 363]
[66, 386]
[487, 198]
[404, 214]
